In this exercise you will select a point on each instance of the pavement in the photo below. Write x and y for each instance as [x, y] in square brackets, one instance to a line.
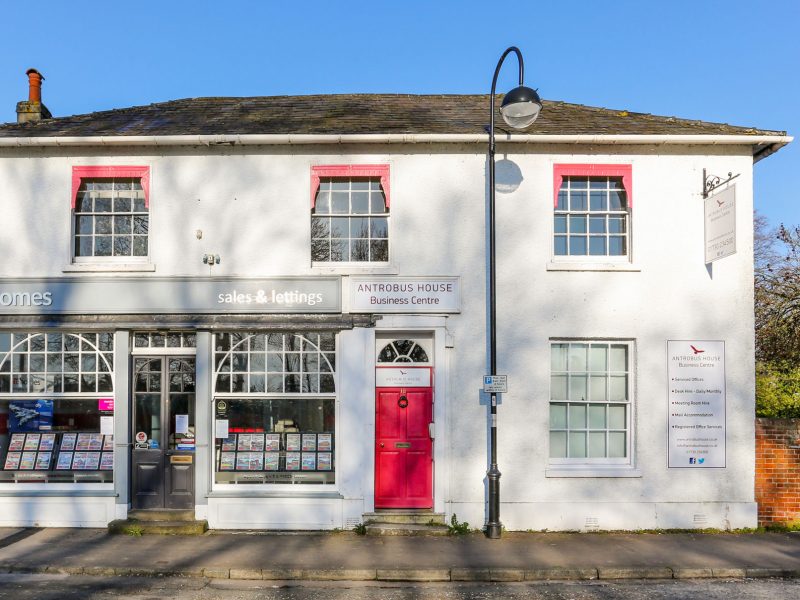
[347, 556]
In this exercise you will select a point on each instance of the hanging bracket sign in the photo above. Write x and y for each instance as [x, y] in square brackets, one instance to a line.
[720, 224]
[712, 182]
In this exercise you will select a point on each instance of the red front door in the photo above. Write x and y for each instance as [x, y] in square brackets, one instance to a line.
[403, 447]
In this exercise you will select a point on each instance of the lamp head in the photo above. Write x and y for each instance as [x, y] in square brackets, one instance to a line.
[520, 107]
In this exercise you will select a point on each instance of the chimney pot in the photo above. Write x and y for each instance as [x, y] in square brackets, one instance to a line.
[35, 85]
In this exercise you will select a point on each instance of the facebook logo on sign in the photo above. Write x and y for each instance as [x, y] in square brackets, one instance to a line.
[692, 460]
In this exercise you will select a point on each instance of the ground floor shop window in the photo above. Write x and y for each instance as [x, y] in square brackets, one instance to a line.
[590, 403]
[275, 408]
[55, 390]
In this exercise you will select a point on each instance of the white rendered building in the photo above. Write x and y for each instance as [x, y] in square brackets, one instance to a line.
[273, 311]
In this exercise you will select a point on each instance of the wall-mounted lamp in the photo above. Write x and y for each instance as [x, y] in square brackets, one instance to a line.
[211, 259]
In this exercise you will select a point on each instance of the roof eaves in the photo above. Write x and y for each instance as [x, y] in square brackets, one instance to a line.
[758, 142]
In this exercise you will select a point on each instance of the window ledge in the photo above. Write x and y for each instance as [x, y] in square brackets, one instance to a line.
[355, 269]
[596, 472]
[44, 493]
[109, 268]
[593, 266]
[275, 494]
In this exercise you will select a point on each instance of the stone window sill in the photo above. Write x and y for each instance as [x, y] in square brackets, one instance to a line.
[593, 266]
[109, 268]
[592, 472]
[271, 493]
[354, 269]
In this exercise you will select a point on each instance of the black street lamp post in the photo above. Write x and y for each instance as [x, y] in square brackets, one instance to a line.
[520, 108]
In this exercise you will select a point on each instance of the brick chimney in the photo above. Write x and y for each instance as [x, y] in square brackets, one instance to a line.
[33, 109]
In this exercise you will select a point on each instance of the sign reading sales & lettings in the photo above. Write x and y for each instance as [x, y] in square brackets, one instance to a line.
[696, 424]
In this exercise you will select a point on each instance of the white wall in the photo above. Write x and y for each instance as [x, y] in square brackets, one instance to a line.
[252, 205]
[55, 511]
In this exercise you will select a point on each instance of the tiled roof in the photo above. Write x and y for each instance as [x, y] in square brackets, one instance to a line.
[343, 114]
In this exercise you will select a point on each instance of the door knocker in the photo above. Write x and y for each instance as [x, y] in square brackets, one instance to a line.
[403, 402]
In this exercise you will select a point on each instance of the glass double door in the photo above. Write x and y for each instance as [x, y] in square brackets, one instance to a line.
[163, 432]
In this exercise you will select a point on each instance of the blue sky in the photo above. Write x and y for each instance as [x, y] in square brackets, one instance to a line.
[731, 61]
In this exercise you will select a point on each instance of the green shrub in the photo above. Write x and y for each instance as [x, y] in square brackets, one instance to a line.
[777, 390]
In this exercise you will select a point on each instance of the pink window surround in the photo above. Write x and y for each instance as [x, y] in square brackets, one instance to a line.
[141, 173]
[572, 170]
[342, 171]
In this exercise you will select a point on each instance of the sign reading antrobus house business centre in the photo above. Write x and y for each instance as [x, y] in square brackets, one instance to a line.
[405, 295]
[142, 295]
[696, 371]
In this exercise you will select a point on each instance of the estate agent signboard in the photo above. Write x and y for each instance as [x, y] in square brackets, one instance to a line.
[696, 378]
[142, 295]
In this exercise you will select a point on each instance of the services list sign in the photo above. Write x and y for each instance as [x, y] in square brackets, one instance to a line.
[696, 372]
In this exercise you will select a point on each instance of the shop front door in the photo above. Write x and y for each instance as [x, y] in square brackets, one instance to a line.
[163, 432]
[403, 447]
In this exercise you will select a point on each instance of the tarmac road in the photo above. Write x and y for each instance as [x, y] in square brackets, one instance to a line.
[80, 587]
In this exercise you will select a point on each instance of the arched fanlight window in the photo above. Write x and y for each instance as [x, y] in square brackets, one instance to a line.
[402, 351]
[55, 362]
[267, 363]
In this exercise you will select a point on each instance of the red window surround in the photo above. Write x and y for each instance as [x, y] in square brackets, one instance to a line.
[141, 173]
[572, 170]
[342, 171]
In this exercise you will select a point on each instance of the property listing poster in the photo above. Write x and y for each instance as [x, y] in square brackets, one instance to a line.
[696, 424]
